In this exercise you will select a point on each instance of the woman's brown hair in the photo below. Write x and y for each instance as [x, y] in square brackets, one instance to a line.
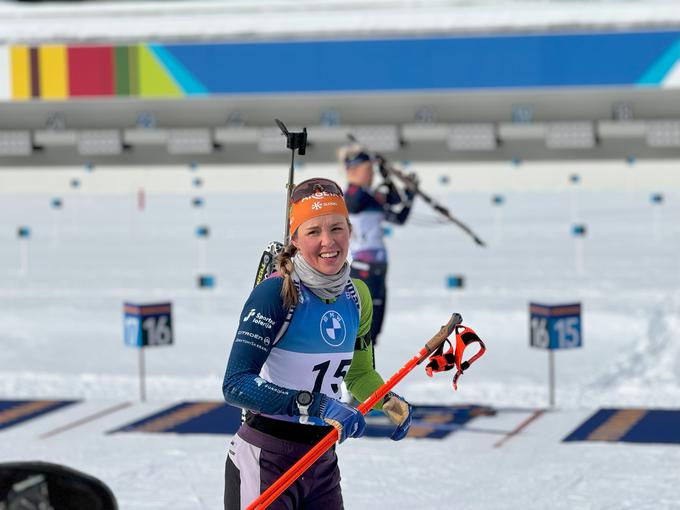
[284, 265]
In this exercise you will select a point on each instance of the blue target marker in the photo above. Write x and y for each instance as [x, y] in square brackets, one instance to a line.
[197, 182]
[197, 202]
[23, 232]
[203, 231]
[56, 203]
[455, 281]
[656, 198]
[75, 183]
[498, 200]
[444, 180]
[206, 281]
[574, 178]
[579, 230]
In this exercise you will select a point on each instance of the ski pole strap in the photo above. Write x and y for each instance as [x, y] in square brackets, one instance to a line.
[441, 361]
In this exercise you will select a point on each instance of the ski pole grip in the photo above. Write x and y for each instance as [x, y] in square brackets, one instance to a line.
[445, 331]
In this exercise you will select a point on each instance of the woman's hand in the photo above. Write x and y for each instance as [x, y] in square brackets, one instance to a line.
[400, 412]
[347, 420]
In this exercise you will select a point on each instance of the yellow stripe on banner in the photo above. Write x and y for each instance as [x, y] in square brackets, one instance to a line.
[5, 74]
[53, 77]
[617, 425]
[22, 410]
[180, 416]
[21, 72]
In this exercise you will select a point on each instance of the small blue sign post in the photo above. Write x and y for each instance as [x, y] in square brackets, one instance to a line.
[146, 326]
[554, 327]
[23, 234]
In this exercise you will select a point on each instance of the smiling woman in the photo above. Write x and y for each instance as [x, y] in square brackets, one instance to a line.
[286, 370]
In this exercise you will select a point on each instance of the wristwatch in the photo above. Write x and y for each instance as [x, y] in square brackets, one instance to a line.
[304, 400]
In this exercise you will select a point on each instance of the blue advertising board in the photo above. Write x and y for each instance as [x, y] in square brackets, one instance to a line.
[555, 326]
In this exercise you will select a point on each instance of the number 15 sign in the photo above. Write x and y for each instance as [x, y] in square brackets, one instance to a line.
[555, 326]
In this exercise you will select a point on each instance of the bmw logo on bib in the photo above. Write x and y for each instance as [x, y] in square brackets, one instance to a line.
[333, 329]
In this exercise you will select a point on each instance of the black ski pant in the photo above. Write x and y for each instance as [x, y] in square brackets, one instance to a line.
[374, 274]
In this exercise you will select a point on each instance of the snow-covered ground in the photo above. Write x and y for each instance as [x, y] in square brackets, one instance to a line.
[116, 20]
[61, 337]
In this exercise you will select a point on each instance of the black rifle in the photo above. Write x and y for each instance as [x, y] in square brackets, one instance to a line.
[409, 182]
[388, 170]
[294, 141]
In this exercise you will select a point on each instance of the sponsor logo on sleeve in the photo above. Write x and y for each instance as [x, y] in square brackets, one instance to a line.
[257, 318]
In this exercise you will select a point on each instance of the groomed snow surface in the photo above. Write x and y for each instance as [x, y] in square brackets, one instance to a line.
[61, 337]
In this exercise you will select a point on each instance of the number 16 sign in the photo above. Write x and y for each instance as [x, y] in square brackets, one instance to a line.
[554, 327]
[147, 326]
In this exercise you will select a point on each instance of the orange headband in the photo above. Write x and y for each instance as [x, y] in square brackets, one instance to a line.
[318, 204]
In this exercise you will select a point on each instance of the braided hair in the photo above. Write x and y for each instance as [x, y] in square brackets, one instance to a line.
[284, 265]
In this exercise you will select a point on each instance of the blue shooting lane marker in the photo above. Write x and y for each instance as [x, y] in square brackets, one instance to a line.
[429, 422]
[23, 232]
[14, 412]
[203, 231]
[197, 202]
[56, 203]
[656, 198]
[660, 426]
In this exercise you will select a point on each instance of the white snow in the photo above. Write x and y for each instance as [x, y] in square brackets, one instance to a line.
[61, 337]
[242, 19]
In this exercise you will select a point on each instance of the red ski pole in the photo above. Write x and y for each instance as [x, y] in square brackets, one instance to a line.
[296, 470]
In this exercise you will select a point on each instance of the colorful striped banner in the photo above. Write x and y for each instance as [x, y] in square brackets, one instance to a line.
[507, 61]
[58, 72]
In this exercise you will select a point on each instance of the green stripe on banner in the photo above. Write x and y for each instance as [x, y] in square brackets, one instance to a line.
[122, 71]
[660, 68]
[154, 80]
[133, 69]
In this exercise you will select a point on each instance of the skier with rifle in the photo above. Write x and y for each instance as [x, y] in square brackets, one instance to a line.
[368, 208]
[302, 332]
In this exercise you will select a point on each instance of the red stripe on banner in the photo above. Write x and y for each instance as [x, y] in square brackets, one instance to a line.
[90, 71]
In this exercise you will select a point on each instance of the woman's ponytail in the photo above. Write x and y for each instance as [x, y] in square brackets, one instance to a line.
[284, 265]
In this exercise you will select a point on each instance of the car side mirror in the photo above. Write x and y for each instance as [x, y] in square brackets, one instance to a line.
[46, 486]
